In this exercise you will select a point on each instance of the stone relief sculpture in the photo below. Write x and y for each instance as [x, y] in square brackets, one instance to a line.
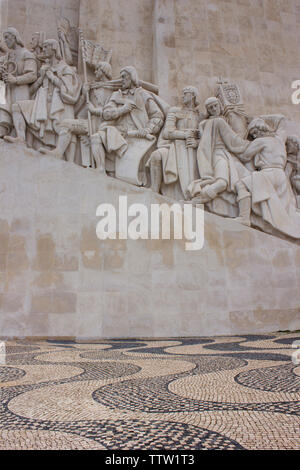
[267, 191]
[219, 168]
[231, 101]
[36, 46]
[99, 94]
[247, 169]
[56, 91]
[18, 70]
[68, 41]
[175, 159]
[293, 165]
[135, 119]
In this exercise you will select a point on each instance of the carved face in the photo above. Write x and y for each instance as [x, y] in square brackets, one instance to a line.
[10, 40]
[187, 98]
[292, 147]
[34, 41]
[48, 51]
[214, 109]
[255, 133]
[126, 80]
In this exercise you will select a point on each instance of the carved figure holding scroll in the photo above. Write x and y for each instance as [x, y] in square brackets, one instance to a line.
[133, 120]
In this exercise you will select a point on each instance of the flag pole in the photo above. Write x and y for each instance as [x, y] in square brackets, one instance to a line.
[83, 53]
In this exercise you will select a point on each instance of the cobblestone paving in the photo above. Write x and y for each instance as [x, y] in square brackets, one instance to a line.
[192, 393]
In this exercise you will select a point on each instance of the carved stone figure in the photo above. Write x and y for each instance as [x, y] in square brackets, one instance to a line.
[134, 119]
[233, 108]
[250, 173]
[267, 191]
[176, 157]
[5, 120]
[293, 164]
[218, 166]
[36, 45]
[68, 41]
[18, 69]
[57, 90]
[100, 92]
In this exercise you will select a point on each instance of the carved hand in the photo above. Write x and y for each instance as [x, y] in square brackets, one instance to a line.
[9, 78]
[142, 133]
[50, 75]
[44, 69]
[86, 88]
[94, 110]
[191, 142]
[127, 107]
[190, 133]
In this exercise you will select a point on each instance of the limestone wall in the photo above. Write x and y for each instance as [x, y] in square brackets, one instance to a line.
[58, 279]
[30, 16]
[178, 42]
[252, 42]
[125, 26]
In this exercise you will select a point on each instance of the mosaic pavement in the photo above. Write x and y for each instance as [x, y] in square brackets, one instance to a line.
[199, 393]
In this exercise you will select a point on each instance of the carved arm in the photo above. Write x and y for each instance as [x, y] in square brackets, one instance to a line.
[170, 131]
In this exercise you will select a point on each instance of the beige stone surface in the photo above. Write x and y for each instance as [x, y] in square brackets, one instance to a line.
[175, 43]
[31, 16]
[123, 26]
[58, 279]
[253, 43]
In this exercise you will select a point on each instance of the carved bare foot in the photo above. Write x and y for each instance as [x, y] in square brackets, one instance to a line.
[201, 199]
[101, 170]
[194, 200]
[14, 140]
[54, 153]
[243, 221]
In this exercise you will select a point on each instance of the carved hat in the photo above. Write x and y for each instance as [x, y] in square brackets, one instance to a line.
[16, 34]
[133, 74]
[194, 90]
